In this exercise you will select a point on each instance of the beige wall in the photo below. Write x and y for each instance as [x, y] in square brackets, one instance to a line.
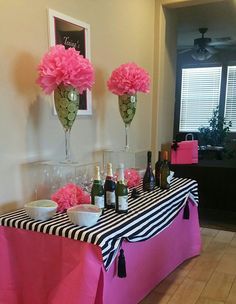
[164, 76]
[142, 31]
[121, 31]
[184, 3]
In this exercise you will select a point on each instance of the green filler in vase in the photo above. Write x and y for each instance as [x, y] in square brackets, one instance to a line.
[127, 107]
[121, 192]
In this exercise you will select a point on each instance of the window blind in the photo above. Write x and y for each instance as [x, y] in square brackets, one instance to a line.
[200, 95]
[230, 98]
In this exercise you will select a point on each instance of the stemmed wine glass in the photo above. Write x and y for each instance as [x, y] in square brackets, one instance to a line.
[127, 107]
[67, 105]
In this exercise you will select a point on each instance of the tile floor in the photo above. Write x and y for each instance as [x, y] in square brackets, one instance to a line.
[207, 279]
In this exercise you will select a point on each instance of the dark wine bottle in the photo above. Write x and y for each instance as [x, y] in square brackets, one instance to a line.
[158, 169]
[165, 172]
[97, 191]
[121, 192]
[149, 179]
[109, 189]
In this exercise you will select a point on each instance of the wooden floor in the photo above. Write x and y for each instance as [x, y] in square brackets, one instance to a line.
[207, 279]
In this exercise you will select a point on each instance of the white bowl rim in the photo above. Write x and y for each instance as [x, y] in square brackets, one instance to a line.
[73, 209]
[31, 204]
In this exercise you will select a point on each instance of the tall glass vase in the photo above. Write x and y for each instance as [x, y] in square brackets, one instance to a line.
[67, 104]
[127, 107]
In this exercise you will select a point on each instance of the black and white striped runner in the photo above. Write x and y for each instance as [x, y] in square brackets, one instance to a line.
[148, 215]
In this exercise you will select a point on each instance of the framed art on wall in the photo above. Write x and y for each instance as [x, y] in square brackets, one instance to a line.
[72, 33]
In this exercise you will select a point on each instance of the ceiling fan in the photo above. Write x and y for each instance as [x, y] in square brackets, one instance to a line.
[204, 48]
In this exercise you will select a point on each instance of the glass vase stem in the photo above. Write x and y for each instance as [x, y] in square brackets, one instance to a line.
[126, 137]
[67, 146]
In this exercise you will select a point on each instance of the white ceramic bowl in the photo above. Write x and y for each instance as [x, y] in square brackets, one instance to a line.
[41, 210]
[84, 214]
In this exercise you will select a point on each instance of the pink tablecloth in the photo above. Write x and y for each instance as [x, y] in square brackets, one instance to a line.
[37, 268]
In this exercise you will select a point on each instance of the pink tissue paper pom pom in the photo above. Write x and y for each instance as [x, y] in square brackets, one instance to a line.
[69, 196]
[129, 79]
[132, 177]
[65, 66]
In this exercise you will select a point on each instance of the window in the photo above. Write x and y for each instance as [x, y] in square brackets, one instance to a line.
[200, 95]
[230, 99]
[200, 88]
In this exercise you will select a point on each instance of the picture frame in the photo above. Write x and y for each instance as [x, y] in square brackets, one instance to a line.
[71, 32]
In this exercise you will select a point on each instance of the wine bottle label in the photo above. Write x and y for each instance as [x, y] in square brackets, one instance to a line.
[149, 186]
[165, 181]
[169, 179]
[110, 198]
[123, 202]
[99, 201]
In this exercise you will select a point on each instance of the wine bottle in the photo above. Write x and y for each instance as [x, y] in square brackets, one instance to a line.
[165, 172]
[148, 179]
[97, 191]
[109, 189]
[121, 191]
[157, 169]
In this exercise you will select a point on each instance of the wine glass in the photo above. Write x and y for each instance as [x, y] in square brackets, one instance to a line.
[67, 105]
[127, 107]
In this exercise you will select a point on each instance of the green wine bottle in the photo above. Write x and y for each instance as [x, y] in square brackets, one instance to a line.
[121, 192]
[158, 169]
[109, 189]
[148, 178]
[97, 191]
[165, 172]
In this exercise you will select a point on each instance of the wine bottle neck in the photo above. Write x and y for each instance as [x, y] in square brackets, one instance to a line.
[97, 181]
[109, 171]
[165, 156]
[97, 176]
[121, 177]
[149, 158]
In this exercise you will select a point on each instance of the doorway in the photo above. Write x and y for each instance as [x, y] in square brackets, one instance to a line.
[165, 77]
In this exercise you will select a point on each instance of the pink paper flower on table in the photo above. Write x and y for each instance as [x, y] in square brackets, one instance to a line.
[129, 79]
[69, 196]
[132, 177]
[67, 67]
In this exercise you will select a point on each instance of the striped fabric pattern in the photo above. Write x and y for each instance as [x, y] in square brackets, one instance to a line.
[148, 215]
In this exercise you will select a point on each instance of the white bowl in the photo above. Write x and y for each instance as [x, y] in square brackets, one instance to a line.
[84, 214]
[41, 210]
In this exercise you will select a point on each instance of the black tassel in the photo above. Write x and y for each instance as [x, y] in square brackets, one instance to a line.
[121, 265]
[186, 214]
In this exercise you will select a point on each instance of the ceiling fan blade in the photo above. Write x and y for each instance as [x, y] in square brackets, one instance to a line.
[221, 39]
[227, 42]
[226, 47]
[184, 51]
[211, 50]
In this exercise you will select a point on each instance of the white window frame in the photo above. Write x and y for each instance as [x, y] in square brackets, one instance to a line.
[186, 108]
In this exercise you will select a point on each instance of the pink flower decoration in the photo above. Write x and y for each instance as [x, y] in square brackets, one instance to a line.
[132, 177]
[129, 79]
[69, 196]
[67, 67]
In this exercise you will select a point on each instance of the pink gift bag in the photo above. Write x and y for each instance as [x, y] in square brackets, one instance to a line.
[185, 152]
